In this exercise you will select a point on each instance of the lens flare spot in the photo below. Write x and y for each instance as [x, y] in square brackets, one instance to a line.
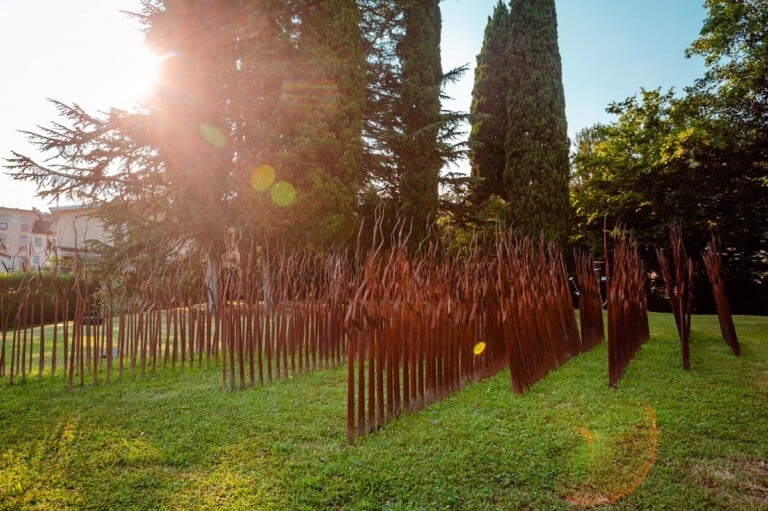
[262, 177]
[479, 349]
[213, 135]
[283, 193]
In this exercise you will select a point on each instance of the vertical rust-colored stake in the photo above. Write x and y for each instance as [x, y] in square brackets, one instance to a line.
[24, 343]
[13, 347]
[351, 389]
[590, 302]
[372, 369]
[626, 331]
[121, 340]
[361, 349]
[679, 285]
[41, 354]
[209, 339]
[713, 265]
[167, 342]
[141, 341]
[3, 332]
[240, 341]
[65, 333]
[175, 352]
[183, 312]
[54, 338]
[191, 337]
[73, 346]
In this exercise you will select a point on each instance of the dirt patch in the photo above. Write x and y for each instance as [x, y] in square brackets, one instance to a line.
[741, 483]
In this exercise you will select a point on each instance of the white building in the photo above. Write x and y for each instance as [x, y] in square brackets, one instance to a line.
[26, 238]
[77, 230]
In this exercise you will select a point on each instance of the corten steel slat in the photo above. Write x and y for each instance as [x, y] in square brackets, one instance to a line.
[413, 353]
[3, 333]
[168, 306]
[41, 349]
[231, 342]
[23, 358]
[240, 342]
[627, 316]
[142, 341]
[250, 330]
[380, 367]
[268, 321]
[175, 312]
[260, 325]
[121, 325]
[351, 346]
[153, 340]
[361, 352]
[713, 265]
[56, 309]
[13, 348]
[590, 302]
[294, 325]
[373, 368]
[65, 335]
[678, 279]
[223, 327]
[282, 339]
[192, 330]
[183, 334]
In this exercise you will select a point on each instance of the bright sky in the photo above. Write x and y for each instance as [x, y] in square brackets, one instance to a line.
[87, 52]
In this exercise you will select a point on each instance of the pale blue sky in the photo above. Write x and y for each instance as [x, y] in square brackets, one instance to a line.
[85, 51]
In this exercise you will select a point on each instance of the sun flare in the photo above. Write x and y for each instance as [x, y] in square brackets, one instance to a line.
[134, 76]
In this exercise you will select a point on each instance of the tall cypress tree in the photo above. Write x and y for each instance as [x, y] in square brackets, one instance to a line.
[418, 153]
[536, 146]
[488, 111]
[324, 100]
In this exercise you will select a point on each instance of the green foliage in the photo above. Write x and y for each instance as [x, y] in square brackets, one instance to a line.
[324, 152]
[18, 288]
[480, 230]
[489, 106]
[178, 442]
[418, 108]
[260, 83]
[734, 44]
[700, 160]
[536, 144]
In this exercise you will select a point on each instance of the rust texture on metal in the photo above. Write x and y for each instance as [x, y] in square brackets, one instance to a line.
[590, 301]
[628, 325]
[277, 315]
[713, 265]
[422, 324]
[678, 281]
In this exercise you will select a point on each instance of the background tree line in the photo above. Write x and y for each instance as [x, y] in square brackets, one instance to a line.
[699, 159]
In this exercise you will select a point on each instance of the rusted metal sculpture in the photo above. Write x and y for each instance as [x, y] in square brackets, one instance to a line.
[590, 301]
[627, 307]
[678, 280]
[712, 263]
[422, 324]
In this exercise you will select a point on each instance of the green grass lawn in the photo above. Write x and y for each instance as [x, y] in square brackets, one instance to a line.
[663, 439]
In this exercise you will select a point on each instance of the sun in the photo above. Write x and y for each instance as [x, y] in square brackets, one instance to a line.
[133, 77]
[119, 72]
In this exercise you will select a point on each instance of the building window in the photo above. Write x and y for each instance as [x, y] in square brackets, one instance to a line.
[24, 224]
[3, 222]
[38, 242]
[23, 241]
[36, 261]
